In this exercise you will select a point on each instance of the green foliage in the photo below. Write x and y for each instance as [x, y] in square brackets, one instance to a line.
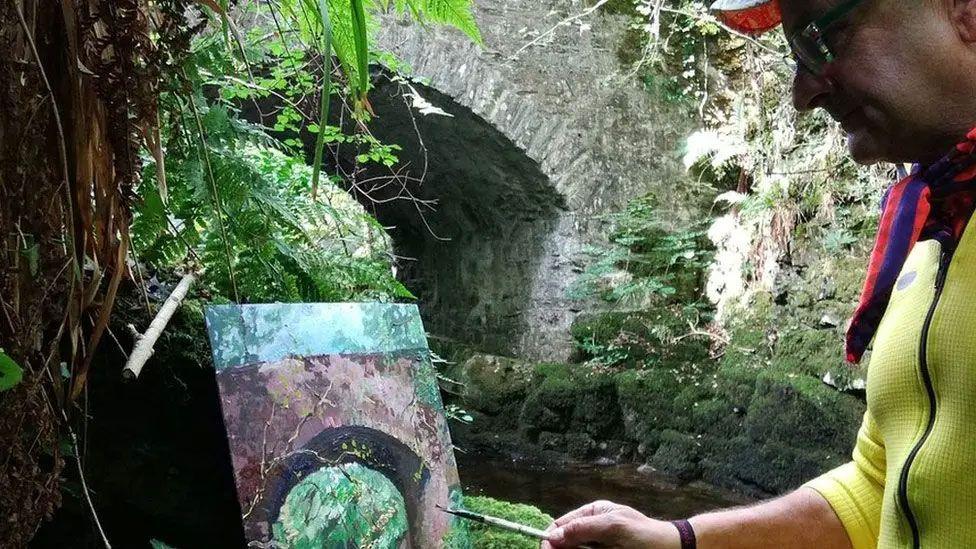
[646, 259]
[240, 200]
[785, 177]
[838, 240]
[608, 354]
[571, 398]
[658, 337]
[279, 244]
[488, 537]
[456, 13]
[785, 202]
[336, 506]
[455, 412]
[668, 47]
[11, 373]
[350, 22]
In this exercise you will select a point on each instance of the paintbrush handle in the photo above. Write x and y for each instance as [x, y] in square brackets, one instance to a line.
[522, 529]
[516, 527]
[503, 524]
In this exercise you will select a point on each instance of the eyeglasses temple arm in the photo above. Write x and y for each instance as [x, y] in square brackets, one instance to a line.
[835, 14]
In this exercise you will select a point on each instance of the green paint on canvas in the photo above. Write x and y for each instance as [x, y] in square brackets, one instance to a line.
[342, 505]
[246, 334]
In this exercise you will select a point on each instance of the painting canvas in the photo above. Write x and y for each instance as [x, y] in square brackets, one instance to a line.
[336, 428]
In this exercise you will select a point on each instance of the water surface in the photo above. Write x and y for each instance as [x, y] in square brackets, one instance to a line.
[561, 488]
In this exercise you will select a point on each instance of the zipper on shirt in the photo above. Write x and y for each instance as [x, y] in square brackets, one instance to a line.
[940, 279]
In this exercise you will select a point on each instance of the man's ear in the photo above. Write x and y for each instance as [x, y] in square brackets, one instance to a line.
[964, 19]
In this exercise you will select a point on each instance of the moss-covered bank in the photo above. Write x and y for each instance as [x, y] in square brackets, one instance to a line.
[757, 418]
[486, 537]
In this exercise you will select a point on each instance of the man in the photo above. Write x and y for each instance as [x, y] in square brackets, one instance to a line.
[900, 78]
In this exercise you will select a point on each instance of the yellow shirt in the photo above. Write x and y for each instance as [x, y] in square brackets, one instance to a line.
[912, 483]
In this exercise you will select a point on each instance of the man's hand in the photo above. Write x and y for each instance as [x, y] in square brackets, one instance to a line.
[800, 520]
[608, 525]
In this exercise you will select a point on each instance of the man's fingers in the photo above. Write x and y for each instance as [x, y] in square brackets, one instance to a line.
[588, 510]
[599, 528]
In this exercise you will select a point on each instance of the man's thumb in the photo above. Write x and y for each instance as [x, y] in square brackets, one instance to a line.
[582, 530]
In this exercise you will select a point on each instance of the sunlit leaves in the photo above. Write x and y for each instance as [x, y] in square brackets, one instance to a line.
[325, 94]
[455, 13]
[284, 246]
[645, 260]
[239, 203]
[379, 153]
[10, 372]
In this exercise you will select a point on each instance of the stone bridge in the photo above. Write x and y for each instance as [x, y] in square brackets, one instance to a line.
[543, 140]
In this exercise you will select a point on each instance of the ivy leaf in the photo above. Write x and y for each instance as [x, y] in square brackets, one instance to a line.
[10, 372]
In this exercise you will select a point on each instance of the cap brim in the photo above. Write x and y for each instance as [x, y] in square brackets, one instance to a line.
[748, 16]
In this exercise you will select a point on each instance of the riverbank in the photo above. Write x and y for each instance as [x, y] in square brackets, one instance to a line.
[158, 467]
[741, 421]
[557, 489]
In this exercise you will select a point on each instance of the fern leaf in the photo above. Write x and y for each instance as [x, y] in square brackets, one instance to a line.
[456, 13]
[344, 37]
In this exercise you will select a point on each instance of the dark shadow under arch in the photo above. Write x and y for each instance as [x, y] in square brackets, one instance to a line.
[474, 259]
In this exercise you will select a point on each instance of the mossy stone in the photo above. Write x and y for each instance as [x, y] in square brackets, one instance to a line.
[801, 412]
[580, 446]
[691, 396]
[550, 406]
[552, 441]
[810, 351]
[570, 397]
[678, 454]
[648, 338]
[597, 412]
[736, 383]
[491, 384]
[645, 399]
[761, 469]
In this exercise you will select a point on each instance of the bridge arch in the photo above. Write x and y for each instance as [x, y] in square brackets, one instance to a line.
[543, 141]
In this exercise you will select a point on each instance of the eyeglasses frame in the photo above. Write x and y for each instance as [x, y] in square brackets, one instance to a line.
[814, 32]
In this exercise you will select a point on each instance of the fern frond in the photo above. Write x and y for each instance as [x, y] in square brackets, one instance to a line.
[456, 13]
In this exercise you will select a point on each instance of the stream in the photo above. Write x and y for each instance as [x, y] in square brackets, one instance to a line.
[561, 488]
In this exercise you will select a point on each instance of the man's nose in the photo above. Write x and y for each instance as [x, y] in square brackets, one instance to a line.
[810, 90]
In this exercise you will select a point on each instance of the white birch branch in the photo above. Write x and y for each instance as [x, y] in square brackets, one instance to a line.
[146, 342]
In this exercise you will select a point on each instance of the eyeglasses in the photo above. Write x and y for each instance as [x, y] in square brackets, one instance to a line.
[808, 44]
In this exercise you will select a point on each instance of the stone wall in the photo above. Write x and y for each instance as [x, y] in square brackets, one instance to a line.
[595, 135]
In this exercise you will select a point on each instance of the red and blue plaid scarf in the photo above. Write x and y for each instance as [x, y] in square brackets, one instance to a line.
[934, 202]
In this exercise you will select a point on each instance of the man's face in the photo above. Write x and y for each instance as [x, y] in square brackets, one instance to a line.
[892, 85]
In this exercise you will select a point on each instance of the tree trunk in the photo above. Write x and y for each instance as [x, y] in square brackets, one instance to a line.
[76, 90]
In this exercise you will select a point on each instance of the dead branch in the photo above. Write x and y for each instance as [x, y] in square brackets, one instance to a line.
[555, 27]
[84, 485]
[146, 342]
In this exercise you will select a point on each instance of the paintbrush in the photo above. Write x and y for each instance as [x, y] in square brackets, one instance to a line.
[503, 524]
